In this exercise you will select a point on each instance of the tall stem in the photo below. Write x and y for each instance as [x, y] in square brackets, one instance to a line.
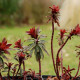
[57, 71]
[18, 69]
[39, 67]
[52, 45]
[13, 75]
[8, 74]
[61, 63]
[23, 66]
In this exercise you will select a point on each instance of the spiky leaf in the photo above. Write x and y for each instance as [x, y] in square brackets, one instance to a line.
[43, 48]
[30, 46]
[1, 63]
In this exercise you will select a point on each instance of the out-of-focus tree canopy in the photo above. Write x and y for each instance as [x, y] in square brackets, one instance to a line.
[24, 11]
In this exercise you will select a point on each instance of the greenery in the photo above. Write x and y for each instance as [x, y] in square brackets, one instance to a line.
[7, 9]
[14, 34]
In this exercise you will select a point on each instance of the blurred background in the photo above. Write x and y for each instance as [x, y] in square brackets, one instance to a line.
[18, 12]
[32, 12]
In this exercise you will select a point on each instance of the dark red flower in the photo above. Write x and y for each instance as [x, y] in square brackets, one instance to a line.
[33, 33]
[54, 13]
[55, 9]
[62, 32]
[9, 65]
[4, 46]
[75, 31]
[21, 57]
[18, 44]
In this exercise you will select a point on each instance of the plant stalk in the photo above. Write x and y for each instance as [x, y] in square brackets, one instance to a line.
[8, 74]
[18, 69]
[57, 71]
[52, 46]
[39, 67]
[23, 66]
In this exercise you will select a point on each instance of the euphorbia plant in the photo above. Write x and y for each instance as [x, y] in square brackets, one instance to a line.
[62, 43]
[37, 46]
[21, 54]
[54, 18]
[4, 46]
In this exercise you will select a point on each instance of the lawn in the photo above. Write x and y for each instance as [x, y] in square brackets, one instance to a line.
[13, 34]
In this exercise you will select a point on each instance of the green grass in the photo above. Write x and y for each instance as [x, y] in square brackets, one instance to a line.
[13, 34]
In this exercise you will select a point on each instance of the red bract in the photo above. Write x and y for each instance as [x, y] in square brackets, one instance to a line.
[54, 13]
[9, 65]
[21, 57]
[62, 32]
[33, 33]
[18, 44]
[55, 9]
[4, 46]
[75, 31]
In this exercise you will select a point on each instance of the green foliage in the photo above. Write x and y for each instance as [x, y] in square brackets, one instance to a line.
[7, 9]
[39, 10]
[1, 63]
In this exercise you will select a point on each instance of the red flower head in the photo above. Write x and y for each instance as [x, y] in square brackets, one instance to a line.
[54, 13]
[4, 46]
[62, 32]
[21, 57]
[75, 31]
[9, 65]
[18, 44]
[33, 32]
[55, 9]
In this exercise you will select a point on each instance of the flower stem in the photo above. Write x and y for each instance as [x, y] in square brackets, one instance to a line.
[23, 66]
[18, 69]
[52, 45]
[8, 74]
[39, 67]
[57, 71]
